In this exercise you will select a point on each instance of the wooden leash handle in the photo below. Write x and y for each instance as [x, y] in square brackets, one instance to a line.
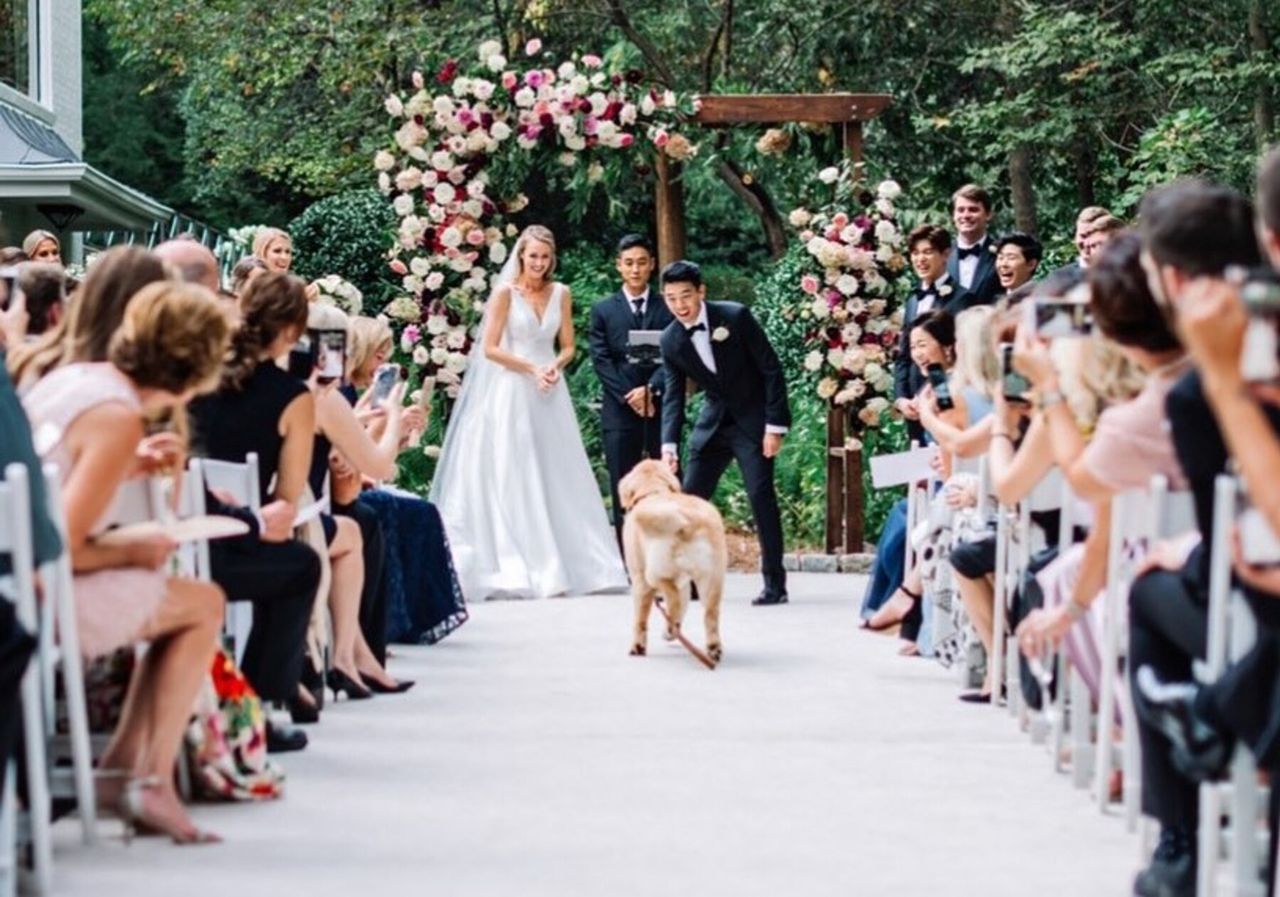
[700, 655]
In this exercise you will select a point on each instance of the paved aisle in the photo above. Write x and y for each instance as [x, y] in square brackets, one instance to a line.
[536, 758]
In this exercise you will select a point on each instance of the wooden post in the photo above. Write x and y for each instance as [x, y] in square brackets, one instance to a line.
[669, 201]
[836, 487]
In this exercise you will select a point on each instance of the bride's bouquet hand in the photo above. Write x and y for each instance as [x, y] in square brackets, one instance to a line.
[548, 377]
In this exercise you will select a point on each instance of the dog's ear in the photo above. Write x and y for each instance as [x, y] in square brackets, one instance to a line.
[627, 491]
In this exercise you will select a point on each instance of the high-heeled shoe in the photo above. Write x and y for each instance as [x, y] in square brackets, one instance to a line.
[138, 819]
[887, 617]
[400, 687]
[342, 684]
[303, 712]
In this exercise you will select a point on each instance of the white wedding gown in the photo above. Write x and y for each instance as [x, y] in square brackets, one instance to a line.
[515, 489]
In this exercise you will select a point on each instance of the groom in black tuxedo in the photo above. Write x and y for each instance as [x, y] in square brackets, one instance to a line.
[722, 349]
[628, 413]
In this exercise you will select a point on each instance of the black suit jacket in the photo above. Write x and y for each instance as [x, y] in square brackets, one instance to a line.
[611, 319]
[986, 285]
[1202, 453]
[747, 385]
[907, 377]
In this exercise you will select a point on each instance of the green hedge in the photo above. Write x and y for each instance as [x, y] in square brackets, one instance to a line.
[348, 235]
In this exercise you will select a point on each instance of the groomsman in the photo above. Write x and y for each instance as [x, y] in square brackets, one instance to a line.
[628, 412]
[929, 247]
[721, 348]
[973, 264]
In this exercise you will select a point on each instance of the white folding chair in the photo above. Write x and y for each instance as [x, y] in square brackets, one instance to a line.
[240, 481]
[20, 588]
[59, 636]
[1231, 633]
[1058, 722]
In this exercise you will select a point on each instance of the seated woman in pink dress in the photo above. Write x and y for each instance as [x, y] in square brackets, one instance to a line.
[1130, 445]
[88, 418]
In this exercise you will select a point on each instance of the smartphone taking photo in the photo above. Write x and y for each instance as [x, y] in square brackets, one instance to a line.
[384, 380]
[1014, 386]
[1260, 355]
[1062, 319]
[330, 348]
[941, 386]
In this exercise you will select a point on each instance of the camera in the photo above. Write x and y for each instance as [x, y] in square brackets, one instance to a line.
[941, 387]
[1260, 355]
[1014, 386]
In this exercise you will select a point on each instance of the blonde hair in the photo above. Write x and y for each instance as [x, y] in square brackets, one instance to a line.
[976, 363]
[542, 235]
[265, 236]
[322, 316]
[367, 335]
[1094, 374]
[174, 337]
[31, 242]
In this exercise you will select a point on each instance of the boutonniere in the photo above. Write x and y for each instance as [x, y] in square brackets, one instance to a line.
[944, 290]
[720, 334]
[992, 249]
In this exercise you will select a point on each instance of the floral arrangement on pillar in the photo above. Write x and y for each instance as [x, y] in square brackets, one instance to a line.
[465, 139]
[848, 293]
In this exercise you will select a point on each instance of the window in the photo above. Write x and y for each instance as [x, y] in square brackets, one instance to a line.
[15, 46]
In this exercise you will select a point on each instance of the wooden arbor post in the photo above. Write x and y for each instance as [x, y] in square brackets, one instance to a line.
[844, 529]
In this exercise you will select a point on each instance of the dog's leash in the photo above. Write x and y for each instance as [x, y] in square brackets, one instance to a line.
[693, 649]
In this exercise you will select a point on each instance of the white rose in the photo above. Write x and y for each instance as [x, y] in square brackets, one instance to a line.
[497, 62]
[847, 284]
[568, 160]
[500, 130]
[420, 266]
[835, 358]
[384, 161]
[827, 388]
[439, 355]
[473, 208]
[461, 87]
[403, 204]
[886, 232]
[829, 175]
[489, 49]
[852, 234]
[525, 97]
[799, 217]
[409, 179]
[384, 183]
[417, 153]
[452, 237]
[456, 363]
[813, 361]
[873, 372]
[498, 253]
[395, 108]
[820, 308]
[889, 190]
[884, 207]
[476, 142]
[435, 280]
[421, 356]
[567, 70]
[576, 142]
[444, 194]
[443, 106]
[647, 105]
[441, 161]
[437, 324]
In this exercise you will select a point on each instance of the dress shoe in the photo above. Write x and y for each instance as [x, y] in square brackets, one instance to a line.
[1172, 872]
[303, 712]
[767, 597]
[378, 688]
[283, 739]
[976, 697]
[342, 684]
[1199, 751]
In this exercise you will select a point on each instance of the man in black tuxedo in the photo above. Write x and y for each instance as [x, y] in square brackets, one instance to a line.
[628, 412]
[929, 247]
[721, 348]
[973, 264]
[1192, 232]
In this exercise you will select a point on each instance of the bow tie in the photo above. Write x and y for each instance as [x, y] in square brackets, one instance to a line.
[695, 328]
[964, 252]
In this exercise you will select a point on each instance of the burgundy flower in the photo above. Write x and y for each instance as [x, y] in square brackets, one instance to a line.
[418, 119]
[634, 76]
[617, 80]
[486, 120]
[547, 120]
[449, 72]
[612, 111]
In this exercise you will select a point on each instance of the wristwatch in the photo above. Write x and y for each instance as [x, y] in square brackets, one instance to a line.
[1049, 398]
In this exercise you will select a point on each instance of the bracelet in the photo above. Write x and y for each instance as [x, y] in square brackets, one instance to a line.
[1050, 398]
[1076, 611]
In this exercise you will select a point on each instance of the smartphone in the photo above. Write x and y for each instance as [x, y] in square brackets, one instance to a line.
[8, 285]
[941, 386]
[330, 350]
[1260, 355]
[1014, 385]
[1258, 542]
[1062, 319]
[302, 358]
[384, 380]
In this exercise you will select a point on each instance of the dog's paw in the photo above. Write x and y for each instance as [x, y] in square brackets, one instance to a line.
[669, 634]
[638, 651]
[715, 652]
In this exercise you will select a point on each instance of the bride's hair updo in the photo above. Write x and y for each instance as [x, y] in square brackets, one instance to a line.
[542, 235]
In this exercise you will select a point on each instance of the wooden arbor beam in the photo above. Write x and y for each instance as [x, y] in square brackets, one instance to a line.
[844, 525]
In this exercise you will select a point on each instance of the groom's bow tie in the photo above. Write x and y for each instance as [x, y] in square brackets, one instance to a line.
[964, 252]
[695, 328]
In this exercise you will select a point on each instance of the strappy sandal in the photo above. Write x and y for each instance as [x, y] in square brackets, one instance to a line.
[877, 623]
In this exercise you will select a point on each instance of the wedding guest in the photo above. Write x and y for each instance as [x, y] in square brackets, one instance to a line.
[169, 347]
[85, 332]
[1084, 224]
[12, 255]
[275, 248]
[260, 408]
[631, 393]
[244, 273]
[42, 246]
[45, 288]
[424, 599]
[1017, 258]
[929, 248]
[1099, 232]
[361, 638]
[972, 265]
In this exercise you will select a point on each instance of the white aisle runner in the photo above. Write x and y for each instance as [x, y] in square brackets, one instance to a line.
[536, 758]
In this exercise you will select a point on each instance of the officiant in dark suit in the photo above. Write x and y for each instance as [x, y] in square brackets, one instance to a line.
[629, 408]
[721, 348]
[929, 248]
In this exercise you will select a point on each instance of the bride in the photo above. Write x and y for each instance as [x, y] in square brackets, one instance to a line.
[519, 500]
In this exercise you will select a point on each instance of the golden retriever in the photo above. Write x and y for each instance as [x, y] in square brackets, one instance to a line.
[671, 540]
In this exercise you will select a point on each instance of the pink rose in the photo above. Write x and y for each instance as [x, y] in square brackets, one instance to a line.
[535, 78]
[399, 267]
[809, 284]
[625, 140]
[509, 80]
[592, 61]
[475, 237]
[661, 138]
[533, 48]
[840, 221]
